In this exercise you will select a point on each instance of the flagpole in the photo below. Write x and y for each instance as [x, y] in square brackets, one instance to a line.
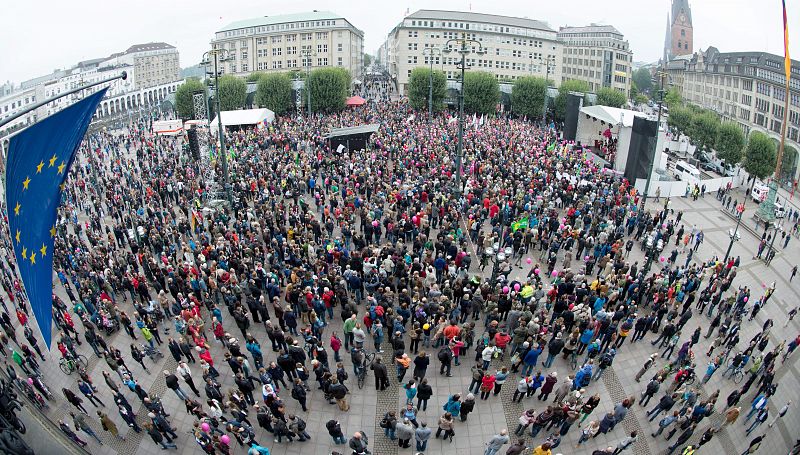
[33, 107]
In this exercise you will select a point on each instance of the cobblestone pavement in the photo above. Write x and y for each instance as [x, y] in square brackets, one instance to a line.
[490, 416]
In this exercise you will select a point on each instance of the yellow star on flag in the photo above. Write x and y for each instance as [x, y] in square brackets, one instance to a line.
[17, 236]
[53, 231]
[16, 209]
[33, 258]
[43, 250]
[61, 187]
[39, 167]
[24, 253]
[53, 160]
[61, 167]
[25, 183]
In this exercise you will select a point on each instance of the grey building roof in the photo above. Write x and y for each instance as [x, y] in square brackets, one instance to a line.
[594, 28]
[148, 47]
[479, 17]
[281, 19]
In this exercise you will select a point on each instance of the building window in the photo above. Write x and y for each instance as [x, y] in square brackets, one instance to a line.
[339, 47]
[683, 32]
[339, 61]
[322, 61]
[322, 48]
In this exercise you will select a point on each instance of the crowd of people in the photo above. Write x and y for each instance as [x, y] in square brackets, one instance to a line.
[399, 249]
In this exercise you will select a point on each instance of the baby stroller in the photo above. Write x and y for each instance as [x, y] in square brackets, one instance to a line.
[153, 353]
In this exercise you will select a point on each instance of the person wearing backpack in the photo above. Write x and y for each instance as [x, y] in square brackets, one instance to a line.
[389, 425]
[605, 361]
[335, 431]
[445, 356]
[298, 427]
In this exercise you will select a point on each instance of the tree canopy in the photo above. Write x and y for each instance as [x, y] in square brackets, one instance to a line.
[788, 163]
[418, 88]
[481, 92]
[642, 79]
[704, 129]
[673, 98]
[610, 97]
[184, 97]
[572, 85]
[528, 96]
[329, 89]
[761, 156]
[275, 92]
[232, 93]
[730, 143]
[255, 76]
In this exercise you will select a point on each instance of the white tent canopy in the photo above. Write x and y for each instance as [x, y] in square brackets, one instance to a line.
[245, 117]
[612, 115]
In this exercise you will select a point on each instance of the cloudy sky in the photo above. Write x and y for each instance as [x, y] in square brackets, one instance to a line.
[39, 36]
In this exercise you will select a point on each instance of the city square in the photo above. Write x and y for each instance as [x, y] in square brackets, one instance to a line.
[303, 248]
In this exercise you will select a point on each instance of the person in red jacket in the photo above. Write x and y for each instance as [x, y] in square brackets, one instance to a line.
[487, 385]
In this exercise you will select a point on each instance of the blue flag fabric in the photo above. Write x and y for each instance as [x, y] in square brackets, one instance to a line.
[39, 159]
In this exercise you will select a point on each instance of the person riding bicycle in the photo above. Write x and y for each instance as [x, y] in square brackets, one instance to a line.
[358, 358]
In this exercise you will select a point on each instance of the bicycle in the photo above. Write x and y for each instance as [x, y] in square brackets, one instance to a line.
[69, 365]
[361, 375]
[573, 360]
[738, 375]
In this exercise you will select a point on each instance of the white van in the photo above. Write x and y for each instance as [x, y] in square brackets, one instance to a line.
[684, 170]
[759, 192]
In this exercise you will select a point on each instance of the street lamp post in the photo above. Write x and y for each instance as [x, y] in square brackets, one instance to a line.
[220, 55]
[776, 230]
[464, 50]
[653, 248]
[661, 76]
[307, 53]
[548, 60]
[734, 233]
[497, 255]
[430, 52]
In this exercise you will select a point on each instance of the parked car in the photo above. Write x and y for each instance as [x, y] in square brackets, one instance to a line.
[702, 156]
[713, 167]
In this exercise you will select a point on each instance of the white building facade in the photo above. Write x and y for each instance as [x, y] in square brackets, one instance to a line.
[515, 47]
[747, 88]
[292, 42]
[597, 54]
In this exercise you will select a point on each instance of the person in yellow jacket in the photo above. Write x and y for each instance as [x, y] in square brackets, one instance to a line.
[689, 450]
[543, 449]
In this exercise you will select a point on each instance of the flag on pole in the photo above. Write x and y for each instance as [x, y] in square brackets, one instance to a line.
[39, 159]
[551, 147]
[523, 223]
[788, 61]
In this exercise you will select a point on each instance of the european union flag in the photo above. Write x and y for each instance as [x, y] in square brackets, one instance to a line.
[39, 159]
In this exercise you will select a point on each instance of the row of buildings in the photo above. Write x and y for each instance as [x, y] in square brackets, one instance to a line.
[515, 47]
[153, 74]
[598, 54]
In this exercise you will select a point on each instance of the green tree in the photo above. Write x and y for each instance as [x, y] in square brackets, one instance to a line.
[275, 92]
[643, 80]
[418, 88]
[255, 76]
[730, 143]
[572, 85]
[640, 99]
[481, 92]
[704, 129]
[329, 89]
[184, 97]
[610, 97]
[232, 93]
[680, 118]
[673, 98]
[788, 163]
[634, 92]
[760, 157]
[528, 95]
[367, 60]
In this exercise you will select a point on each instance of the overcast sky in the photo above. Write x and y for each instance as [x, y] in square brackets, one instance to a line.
[39, 36]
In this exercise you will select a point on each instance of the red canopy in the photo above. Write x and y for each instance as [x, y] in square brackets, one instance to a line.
[355, 101]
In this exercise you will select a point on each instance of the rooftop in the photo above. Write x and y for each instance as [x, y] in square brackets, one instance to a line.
[593, 28]
[148, 47]
[281, 19]
[479, 17]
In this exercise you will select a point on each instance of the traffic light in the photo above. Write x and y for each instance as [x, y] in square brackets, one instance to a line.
[194, 144]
